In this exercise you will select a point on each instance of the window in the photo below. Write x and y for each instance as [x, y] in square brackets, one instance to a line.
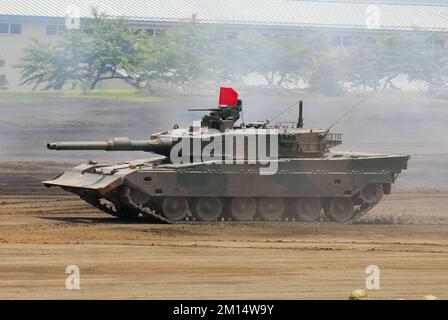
[232, 36]
[4, 27]
[342, 41]
[336, 41]
[15, 28]
[52, 30]
[62, 29]
[10, 28]
[55, 30]
[153, 32]
[370, 40]
[347, 41]
[439, 43]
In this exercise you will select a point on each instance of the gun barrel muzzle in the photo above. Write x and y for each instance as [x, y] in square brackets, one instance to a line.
[100, 145]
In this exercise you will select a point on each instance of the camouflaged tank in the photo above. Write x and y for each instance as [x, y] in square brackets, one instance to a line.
[310, 183]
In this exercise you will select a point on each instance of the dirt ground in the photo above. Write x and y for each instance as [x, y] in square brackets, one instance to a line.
[42, 231]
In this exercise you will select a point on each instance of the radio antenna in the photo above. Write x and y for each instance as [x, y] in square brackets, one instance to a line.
[349, 111]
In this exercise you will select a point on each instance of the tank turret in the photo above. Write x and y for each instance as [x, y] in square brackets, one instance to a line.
[293, 139]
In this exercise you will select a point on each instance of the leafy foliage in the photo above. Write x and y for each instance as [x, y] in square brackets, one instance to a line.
[374, 62]
[426, 62]
[188, 52]
[54, 67]
[279, 58]
[325, 78]
[115, 50]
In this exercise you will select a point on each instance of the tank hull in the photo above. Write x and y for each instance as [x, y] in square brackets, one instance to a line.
[152, 189]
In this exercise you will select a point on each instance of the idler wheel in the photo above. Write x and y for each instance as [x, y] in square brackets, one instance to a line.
[307, 209]
[271, 209]
[175, 208]
[243, 209]
[207, 209]
[371, 193]
[339, 209]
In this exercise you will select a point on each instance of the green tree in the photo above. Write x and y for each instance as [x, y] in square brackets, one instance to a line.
[280, 58]
[3, 81]
[115, 50]
[105, 49]
[53, 66]
[219, 59]
[178, 54]
[427, 62]
[325, 79]
[374, 62]
[189, 52]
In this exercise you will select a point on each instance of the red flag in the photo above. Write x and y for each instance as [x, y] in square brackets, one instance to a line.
[228, 97]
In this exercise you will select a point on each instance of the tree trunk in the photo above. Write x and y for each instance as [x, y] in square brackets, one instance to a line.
[268, 79]
[388, 80]
[95, 82]
[282, 78]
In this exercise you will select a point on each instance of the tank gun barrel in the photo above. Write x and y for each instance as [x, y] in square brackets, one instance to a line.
[207, 109]
[157, 145]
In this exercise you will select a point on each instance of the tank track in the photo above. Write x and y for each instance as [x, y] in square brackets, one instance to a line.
[152, 216]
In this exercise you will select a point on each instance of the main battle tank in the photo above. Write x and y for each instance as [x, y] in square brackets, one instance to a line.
[217, 171]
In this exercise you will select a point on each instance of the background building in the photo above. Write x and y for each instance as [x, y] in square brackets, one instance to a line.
[20, 21]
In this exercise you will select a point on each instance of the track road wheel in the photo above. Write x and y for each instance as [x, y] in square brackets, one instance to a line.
[175, 208]
[339, 209]
[243, 209]
[371, 193]
[207, 209]
[271, 209]
[307, 209]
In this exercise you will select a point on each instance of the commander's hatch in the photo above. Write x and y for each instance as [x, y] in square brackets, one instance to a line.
[226, 114]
